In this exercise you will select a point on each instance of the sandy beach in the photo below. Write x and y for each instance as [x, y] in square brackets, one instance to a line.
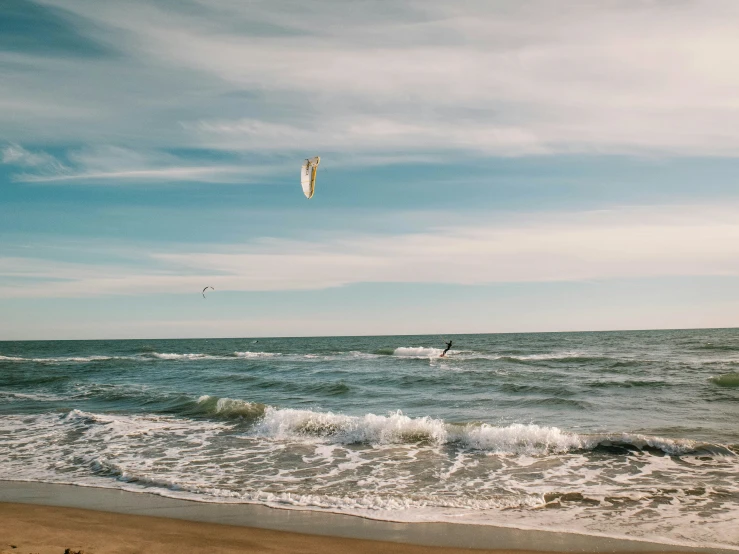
[28, 528]
[43, 518]
[51, 530]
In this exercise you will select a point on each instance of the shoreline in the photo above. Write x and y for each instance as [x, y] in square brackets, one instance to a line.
[321, 526]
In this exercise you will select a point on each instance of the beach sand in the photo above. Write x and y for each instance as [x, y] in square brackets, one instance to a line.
[50, 530]
[44, 518]
[28, 529]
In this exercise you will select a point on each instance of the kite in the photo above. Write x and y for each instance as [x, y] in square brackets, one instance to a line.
[308, 175]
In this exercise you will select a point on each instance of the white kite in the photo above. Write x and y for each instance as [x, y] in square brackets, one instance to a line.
[308, 175]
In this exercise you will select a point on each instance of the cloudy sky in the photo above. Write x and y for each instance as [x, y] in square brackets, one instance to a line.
[487, 166]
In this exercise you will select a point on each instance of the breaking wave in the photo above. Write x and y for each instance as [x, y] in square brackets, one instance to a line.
[173, 356]
[398, 428]
[417, 352]
[228, 408]
[248, 354]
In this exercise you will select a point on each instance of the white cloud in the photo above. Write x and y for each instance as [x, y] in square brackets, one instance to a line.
[41, 163]
[109, 163]
[187, 173]
[503, 78]
[624, 243]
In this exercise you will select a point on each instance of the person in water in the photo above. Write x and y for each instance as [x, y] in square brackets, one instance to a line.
[448, 347]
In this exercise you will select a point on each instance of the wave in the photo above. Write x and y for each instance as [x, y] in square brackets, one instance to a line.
[370, 428]
[398, 428]
[627, 383]
[64, 359]
[35, 397]
[726, 380]
[202, 356]
[556, 401]
[719, 347]
[556, 357]
[174, 356]
[385, 351]
[537, 387]
[328, 389]
[673, 447]
[248, 354]
[148, 356]
[417, 352]
[228, 408]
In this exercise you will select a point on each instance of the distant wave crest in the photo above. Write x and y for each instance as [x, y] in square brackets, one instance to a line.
[417, 352]
[248, 354]
[62, 359]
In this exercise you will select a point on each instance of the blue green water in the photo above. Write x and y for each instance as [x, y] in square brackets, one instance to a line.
[624, 434]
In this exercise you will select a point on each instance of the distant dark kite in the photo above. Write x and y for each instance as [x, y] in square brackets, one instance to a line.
[206, 288]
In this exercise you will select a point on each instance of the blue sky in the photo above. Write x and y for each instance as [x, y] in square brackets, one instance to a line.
[486, 167]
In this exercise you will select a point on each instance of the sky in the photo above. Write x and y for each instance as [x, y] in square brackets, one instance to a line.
[486, 166]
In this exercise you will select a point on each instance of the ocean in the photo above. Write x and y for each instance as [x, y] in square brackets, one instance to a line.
[622, 434]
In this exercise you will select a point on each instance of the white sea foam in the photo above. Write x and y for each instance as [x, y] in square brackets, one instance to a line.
[174, 356]
[417, 352]
[38, 396]
[64, 359]
[403, 469]
[230, 407]
[370, 428]
[676, 447]
[398, 428]
[248, 354]
[549, 356]
[518, 438]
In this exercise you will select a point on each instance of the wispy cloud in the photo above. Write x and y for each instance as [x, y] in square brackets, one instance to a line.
[43, 164]
[502, 78]
[188, 173]
[108, 164]
[625, 243]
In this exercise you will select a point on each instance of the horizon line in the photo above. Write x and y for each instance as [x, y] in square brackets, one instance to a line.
[391, 335]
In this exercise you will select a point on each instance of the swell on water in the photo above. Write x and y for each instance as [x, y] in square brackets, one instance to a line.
[227, 408]
[726, 380]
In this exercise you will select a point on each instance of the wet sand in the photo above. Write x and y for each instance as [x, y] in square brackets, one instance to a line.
[51, 530]
[40, 518]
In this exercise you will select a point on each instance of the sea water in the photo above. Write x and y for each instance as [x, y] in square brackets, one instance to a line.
[624, 434]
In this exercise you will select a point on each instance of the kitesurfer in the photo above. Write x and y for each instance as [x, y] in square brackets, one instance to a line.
[448, 347]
